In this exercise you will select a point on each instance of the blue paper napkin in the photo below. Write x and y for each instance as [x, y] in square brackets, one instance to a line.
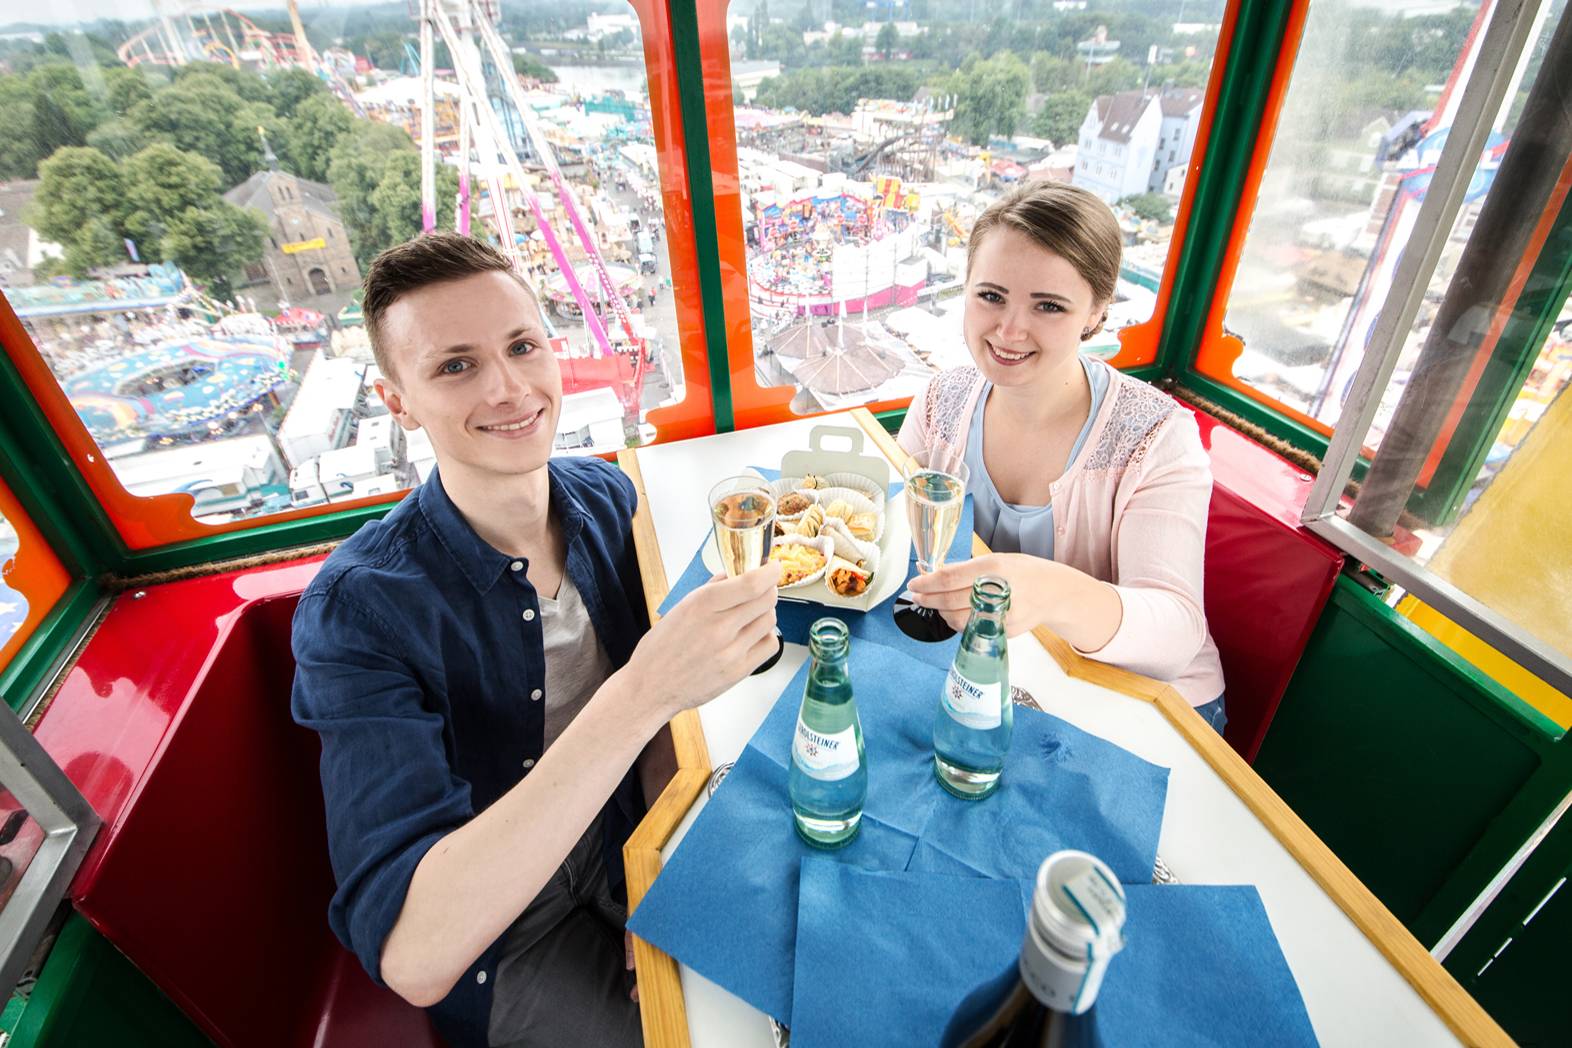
[868, 979]
[726, 904]
[886, 958]
[1063, 788]
[877, 624]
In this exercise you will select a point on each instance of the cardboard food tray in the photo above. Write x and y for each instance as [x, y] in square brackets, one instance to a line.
[894, 545]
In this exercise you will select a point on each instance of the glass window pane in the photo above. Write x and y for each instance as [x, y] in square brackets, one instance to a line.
[1468, 477]
[31, 577]
[188, 207]
[1367, 113]
[868, 144]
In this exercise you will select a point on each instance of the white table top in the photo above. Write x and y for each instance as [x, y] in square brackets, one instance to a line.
[1353, 993]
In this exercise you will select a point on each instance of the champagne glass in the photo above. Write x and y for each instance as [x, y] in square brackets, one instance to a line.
[935, 492]
[742, 511]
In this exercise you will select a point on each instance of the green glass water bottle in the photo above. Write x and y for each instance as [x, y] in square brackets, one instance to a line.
[971, 732]
[828, 779]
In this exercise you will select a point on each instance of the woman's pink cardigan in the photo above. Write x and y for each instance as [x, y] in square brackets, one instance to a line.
[1130, 510]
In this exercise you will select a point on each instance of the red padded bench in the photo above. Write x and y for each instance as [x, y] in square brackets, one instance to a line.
[1267, 578]
[211, 873]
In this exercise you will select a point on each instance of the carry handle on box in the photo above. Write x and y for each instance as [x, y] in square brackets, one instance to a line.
[821, 461]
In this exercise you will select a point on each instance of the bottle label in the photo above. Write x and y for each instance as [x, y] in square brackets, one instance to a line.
[971, 704]
[828, 758]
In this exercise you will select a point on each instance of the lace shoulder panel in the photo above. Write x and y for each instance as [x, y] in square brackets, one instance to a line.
[1138, 409]
[947, 396]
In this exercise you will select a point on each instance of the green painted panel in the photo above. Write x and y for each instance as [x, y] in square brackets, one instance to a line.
[1514, 960]
[1399, 758]
[1236, 121]
[701, 191]
[26, 673]
[88, 995]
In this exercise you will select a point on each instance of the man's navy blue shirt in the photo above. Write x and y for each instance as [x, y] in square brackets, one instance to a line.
[420, 662]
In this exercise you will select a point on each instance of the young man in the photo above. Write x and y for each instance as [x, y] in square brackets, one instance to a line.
[480, 670]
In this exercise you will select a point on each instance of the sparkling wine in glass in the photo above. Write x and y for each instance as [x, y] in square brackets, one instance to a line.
[935, 493]
[742, 511]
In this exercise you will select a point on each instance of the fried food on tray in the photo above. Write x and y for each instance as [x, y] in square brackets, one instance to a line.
[848, 579]
[797, 561]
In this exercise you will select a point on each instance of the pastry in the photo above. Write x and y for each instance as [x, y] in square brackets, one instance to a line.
[792, 504]
[812, 481]
[840, 509]
[863, 526]
[811, 522]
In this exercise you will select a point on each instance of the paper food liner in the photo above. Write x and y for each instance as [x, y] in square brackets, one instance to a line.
[859, 503]
[850, 548]
[824, 545]
[785, 486]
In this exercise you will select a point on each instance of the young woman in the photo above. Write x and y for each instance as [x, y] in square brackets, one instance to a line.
[1090, 487]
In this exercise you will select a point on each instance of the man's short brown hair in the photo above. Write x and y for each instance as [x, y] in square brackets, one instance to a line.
[431, 258]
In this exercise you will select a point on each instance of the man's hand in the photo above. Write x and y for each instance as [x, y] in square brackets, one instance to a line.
[714, 637]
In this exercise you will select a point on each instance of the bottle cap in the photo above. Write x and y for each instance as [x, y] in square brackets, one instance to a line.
[1077, 925]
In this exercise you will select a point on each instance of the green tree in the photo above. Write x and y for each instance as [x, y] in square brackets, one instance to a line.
[79, 205]
[215, 243]
[375, 171]
[1060, 118]
[846, 49]
[990, 97]
[18, 156]
[117, 138]
[1052, 74]
[204, 115]
[530, 66]
[124, 88]
[885, 42]
[318, 124]
[1113, 77]
[288, 88]
[1153, 207]
[161, 184]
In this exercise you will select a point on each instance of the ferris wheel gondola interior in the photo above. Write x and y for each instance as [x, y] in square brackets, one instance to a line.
[1346, 253]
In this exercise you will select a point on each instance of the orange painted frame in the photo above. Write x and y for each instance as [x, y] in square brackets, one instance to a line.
[1138, 343]
[145, 522]
[695, 415]
[34, 572]
[1218, 350]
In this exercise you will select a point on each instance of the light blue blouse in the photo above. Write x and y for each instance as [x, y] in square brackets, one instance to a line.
[1004, 526]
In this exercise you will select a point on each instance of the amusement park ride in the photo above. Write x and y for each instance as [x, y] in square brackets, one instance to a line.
[491, 104]
[1395, 775]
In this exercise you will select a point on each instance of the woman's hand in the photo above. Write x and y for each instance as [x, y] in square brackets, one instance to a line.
[948, 590]
[1083, 610]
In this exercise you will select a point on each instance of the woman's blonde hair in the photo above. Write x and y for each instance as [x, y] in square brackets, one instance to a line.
[1067, 220]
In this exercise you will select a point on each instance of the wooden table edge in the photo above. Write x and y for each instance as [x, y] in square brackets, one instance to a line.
[660, 990]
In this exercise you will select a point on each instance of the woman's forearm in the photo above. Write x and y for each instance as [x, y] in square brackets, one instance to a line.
[1083, 610]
